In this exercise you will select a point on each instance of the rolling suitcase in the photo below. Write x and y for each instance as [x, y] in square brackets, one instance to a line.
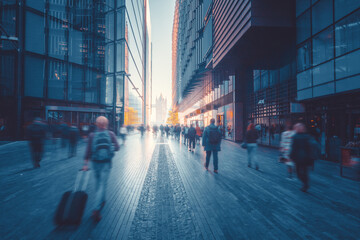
[72, 204]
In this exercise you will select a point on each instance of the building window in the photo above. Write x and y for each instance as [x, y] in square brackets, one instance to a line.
[348, 65]
[285, 73]
[57, 79]
[109, 92]
[304, 80]
[343, 7]
[91, 86]
[7, 75]
[120, 19]
[77, 47]
[325, 89]
[347, 34]
[109, 23]
[120, 56]
[303, 28]
[322, 15]
[323, 73]
[301, 6]
[256, 80]
[34, 76]
[109, 58]
[348, 84]
[36, 4]
[35, 37]
[75, 86]
[274, 77]
[304, 56]
[58, 45]
[323, 46]
[304, 94]
[264, 79]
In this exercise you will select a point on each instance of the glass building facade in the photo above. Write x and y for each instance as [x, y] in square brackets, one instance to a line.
[328, 73]
[68, 60]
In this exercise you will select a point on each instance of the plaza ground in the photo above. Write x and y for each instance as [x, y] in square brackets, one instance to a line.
[159, 190]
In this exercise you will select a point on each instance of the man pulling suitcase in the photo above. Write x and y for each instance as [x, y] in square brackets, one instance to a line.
[100, 150]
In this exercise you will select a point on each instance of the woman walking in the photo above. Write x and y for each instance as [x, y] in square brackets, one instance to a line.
[252, 136]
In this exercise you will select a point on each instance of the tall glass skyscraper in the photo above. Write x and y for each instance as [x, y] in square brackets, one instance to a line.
[72, 60]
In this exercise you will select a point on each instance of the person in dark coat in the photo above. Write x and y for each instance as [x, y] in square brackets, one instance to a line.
[74, 135]
[251, 138]
[64, 134]
[167, 130]
[211, 142]
[191, 138]
[36, 133]
[301, 154]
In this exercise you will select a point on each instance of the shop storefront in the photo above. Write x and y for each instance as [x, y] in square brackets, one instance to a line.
[270, 103]
[335, 122]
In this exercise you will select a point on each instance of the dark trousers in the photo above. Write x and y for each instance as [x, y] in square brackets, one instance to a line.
[185, 139]
[215, 159]
[302, 171]
[191, 143]
[36, 153]
[72, 149]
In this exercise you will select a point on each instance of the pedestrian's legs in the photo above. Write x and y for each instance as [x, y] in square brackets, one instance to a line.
[193, 142]
[215, 156]
[249, 155]
[208, 155]
[251, 148]
[75, 149]
[102, 171]
[33, 154]
[303, 175]
[70, 150]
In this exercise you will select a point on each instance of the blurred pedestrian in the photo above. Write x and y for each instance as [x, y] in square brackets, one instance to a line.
[100, 150]
[36, 133]
[64, 128]
[251, 137]
[167, 131]
[74, 135]
[191, 138]
[211, 142]
[285, 149]
[198, 132]
[155, 129]
[186, 131]
[141, 129]
[301, 154]
[123, 133]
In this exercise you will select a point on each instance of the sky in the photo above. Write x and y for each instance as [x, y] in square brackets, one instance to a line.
[162, 16]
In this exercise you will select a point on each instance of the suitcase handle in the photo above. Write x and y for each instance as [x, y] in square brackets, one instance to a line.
[79, 178]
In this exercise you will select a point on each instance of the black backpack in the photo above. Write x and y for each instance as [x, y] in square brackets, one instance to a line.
[214, 136]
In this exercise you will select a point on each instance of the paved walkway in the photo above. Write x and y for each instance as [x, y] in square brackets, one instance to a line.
[159, 190]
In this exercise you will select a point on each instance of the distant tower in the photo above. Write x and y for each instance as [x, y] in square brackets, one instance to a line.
[161, 109]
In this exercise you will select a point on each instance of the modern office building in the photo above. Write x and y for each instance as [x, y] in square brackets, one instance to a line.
[328, 69]
[67, 60]
[271, 63]
[218, 56]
